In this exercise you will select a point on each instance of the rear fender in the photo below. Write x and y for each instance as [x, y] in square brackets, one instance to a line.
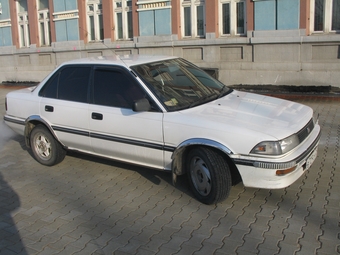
[33, 121]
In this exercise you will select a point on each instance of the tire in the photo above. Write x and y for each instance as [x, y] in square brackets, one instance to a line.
[209, 175]
[46, 150]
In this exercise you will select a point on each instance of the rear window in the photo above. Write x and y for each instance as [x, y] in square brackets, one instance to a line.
[70, 83]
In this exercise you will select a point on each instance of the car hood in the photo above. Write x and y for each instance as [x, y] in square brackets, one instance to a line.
[245, 113]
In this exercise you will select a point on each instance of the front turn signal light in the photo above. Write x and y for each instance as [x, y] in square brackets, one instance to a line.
[285, 171]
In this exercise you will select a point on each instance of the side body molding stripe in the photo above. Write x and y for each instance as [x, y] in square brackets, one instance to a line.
[71, 131]
[132, 142]
[115, 139]
[16, 121]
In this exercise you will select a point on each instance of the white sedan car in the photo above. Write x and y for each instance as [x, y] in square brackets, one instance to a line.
[166, 113]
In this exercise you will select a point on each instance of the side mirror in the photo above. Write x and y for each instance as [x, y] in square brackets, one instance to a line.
[141, 105]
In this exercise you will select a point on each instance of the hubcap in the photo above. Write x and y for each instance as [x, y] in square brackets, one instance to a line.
[43, 147]
[200, 176]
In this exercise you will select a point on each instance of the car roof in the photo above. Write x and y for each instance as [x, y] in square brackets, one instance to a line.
[122, 60]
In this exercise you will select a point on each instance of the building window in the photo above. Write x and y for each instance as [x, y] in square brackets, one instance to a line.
[154, 17]
[232, 15]
[325, 15]
[193, 18]
[65, 17]
[318, 15]
[24, 36]
[336, 15]
[5, 24]
[95, 20]
[276, 14]
[44, 23]
[123, 19]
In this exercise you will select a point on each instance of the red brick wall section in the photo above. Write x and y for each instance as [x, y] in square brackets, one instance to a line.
[52, 26]
[305, 15]
[108, 19]
[211, 11]
[176, 18]
[250, 15]
[135, 18]
[14, 21]
[83, 34]
[33, 22]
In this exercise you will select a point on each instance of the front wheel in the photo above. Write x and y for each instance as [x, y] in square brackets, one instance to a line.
[45, 148]
[209, 175]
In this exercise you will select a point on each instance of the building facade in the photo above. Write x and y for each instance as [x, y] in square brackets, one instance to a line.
[280, 42]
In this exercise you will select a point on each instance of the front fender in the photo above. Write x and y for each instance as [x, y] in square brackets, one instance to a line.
[179, 153]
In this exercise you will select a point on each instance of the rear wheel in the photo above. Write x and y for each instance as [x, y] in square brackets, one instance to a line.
[209, 175]
[45, 148]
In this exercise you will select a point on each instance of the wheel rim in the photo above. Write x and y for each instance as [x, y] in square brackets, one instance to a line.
[200, 176]
[43, 147]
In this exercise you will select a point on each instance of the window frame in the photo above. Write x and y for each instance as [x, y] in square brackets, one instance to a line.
[193, 5]
[115, 69]
[124, 10]
[23, 26]
[233, 17]
[97, 15]
[327, 19]
[57, 75]
[129, 75]
[45, 35]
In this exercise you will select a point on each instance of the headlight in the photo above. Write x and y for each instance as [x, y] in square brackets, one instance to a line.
[276, 147]
[267, 148]
[289, 143]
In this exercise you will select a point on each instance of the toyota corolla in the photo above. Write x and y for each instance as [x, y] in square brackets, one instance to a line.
[166, 113]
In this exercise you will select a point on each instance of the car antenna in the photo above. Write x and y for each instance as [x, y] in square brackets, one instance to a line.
[102, 41]
[111, 49]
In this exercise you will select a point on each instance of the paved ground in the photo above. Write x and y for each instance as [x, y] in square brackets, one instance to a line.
[89, 206]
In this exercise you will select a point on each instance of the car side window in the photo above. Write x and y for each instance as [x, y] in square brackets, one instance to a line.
[73, 84]
[50, 89]
[115, 88]
[70, 83]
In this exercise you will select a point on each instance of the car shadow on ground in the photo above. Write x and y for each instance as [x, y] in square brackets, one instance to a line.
[153, 175]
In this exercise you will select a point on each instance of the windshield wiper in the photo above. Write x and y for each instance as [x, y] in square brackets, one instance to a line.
[224, 91]
[203, 100]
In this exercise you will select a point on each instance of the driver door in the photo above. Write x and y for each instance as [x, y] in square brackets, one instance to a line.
[117, 131]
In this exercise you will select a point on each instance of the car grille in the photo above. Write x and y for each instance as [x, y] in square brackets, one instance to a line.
[304, 132]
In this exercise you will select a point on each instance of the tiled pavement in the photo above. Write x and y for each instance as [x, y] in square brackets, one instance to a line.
[90, 206]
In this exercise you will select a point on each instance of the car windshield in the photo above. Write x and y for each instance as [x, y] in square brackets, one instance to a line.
[179, 84]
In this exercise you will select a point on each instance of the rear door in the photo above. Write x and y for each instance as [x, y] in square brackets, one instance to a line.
[64, 105]
[117, 131]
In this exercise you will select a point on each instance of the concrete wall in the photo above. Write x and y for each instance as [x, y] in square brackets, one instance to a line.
[286, 57]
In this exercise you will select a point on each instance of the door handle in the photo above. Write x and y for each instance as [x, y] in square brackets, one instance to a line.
[49, 108]
[97, 116]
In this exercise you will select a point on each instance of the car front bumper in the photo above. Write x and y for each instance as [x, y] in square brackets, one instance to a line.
[263, 172]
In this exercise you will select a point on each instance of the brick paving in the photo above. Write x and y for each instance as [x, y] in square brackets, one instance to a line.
[86, 205]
